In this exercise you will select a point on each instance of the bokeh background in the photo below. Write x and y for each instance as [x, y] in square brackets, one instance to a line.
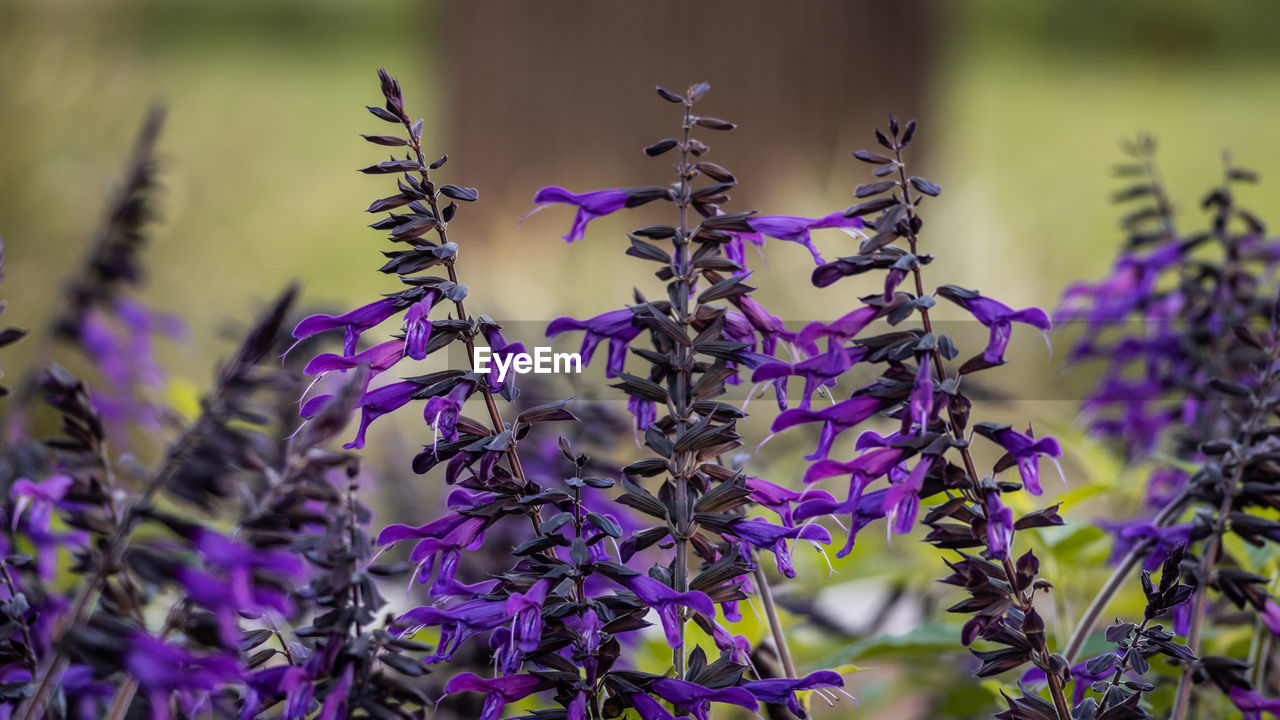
[1022, 107]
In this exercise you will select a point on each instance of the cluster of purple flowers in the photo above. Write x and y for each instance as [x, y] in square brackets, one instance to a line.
[239, 578]
[1185, 329]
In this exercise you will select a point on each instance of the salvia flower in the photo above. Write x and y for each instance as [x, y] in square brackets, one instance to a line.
[596, 203]
[782, 691]
[997, 317]
[619, 327]
[353, 323]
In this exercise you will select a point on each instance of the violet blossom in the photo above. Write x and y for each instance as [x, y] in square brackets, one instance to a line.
[596, 203]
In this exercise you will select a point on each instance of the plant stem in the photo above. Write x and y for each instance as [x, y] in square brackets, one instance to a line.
[1024, 602]
[681, 384]
[775, 623]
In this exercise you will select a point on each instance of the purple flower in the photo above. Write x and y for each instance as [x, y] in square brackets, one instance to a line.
[379, 358]
[526, 614]
[767, 326]
[417, 328]
[862, 509]
[835, 419]
[37, 501]
[766, 535]
[838, 331]
[441, 411]
[353, 323]
[616, 326]
[666, 602]
[161, 669]
[999, 525]
[920, 407]
[500, 349]
[1026, 451]
[648, 708]
[1252, 704]
[596, 203]
[773, 496]
[818, 371]
[290, 681]
[498, 691]
[444, 538]
[796, 229]
[903, 501]
[998, 318]
[379, 402]
[782, 691]
[644, 411]
[1271, 616]
[697, 699]
[457, 624]
[1130, 533]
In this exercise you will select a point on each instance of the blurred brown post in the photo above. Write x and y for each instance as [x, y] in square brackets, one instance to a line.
[536, 90]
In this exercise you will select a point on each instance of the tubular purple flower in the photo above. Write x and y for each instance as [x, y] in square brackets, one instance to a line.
[500, 349]
[498, 691]
[417, 328]
[768, 536]
[1130, 533]
[457, 624]
[1253, 705]
[666, 603]
[818, 371]
[999, 525]
[796, 229]
[835, 420]
[161, 669]
[441, 411]
[1271, 616]
[596, 203]
[921, 405]
[773, 496]
[767, 326]
[1026, 451]
[353, 323]
[997, 317]
[525, 610]
[696, 699]
[862, 509]
[782, 691]
[379, 358]
[616, 326]
[644, 411]
[648, 708]
[379, 402]
[838, 331]
[903, 501]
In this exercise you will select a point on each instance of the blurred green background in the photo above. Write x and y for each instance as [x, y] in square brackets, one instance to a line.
[1022, 106]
